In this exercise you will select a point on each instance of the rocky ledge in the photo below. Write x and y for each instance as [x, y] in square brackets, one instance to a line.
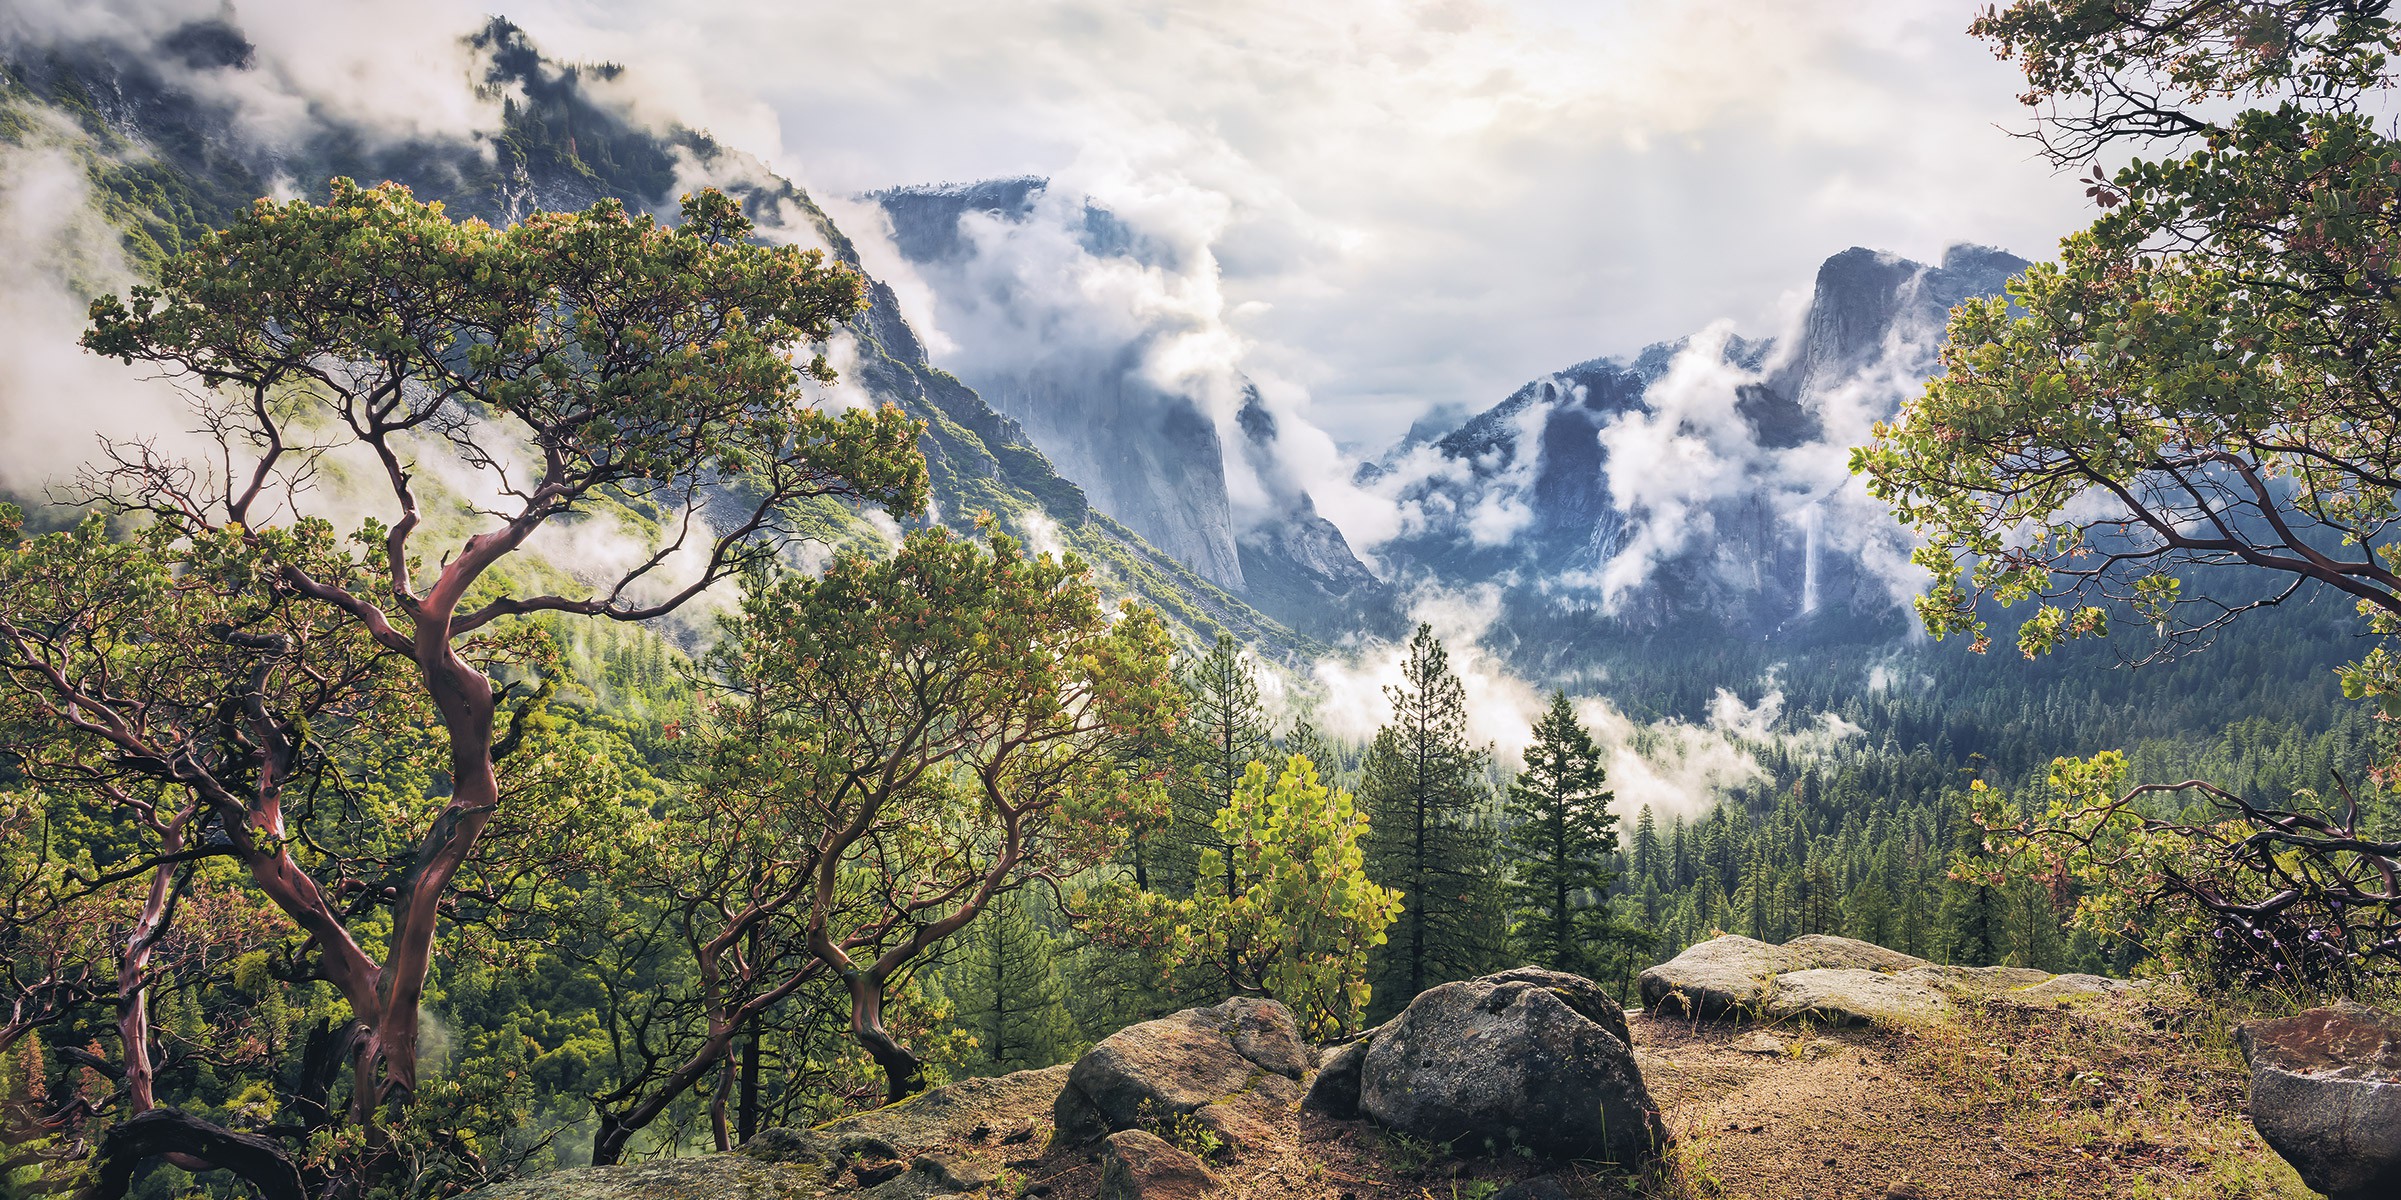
[1532, 1066]
[1842, 981]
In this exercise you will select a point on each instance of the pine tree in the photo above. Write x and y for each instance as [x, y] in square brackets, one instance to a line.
[1222, 735]
[1558, 849]
[1423, 783]
[1647, 864]
[1303, 739]
[1006, 986]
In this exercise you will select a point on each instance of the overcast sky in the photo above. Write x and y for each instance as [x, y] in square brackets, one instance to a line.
[1408, 203]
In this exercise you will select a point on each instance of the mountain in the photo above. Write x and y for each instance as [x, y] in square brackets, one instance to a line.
[168, 156]
[1076, 324]
[1703, 476]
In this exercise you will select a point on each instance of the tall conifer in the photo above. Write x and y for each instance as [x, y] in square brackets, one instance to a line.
[1008, 993]
[1423, 783]
[1224, 731]
[1558, 848]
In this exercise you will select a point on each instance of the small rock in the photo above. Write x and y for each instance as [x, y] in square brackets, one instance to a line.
[1138, 1165]
[2326, 1094]
[1904, 1191]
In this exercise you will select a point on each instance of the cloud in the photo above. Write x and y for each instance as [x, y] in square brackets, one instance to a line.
[1675, 767]
[392, 73]
[56, 400]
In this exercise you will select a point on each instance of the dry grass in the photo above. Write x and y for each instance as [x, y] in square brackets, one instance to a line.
[2143, 1099]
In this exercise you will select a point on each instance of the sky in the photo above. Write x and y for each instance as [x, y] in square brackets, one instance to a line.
[1408, 204]
[1403, 204]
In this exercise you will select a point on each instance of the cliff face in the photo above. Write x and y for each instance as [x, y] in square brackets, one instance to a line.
[1009, 264]
[1700, 477]
[1148, 454]
[559, 143]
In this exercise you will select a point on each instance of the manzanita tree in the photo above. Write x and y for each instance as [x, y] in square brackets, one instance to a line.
[464, 387]
[894, 744]
[2186, 418]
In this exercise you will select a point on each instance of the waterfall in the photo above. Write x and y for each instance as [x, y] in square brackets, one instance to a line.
[1809, 522]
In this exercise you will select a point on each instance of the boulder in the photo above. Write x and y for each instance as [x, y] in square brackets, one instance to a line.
[1724, 974]
[1580, 994]
[1823, 951]
[1851, 996]
[1144, 1076]
[2326, 1094]
[1505, 1062]
[1335, 1091]
[1260, 1116]
[1139, 1165]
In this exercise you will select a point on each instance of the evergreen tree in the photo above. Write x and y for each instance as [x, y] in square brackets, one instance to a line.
[1423, 783]
[1304, 740]
[1559, 846]
[1007, 991]
[1647, 864]
[1971, 925]
[1224, 732]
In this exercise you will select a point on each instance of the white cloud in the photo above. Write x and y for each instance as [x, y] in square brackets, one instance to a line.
[1675, 767]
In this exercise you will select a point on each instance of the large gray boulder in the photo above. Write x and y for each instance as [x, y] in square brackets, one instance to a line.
[1508, 1062]
[2326, 1094]
[1245, 1052]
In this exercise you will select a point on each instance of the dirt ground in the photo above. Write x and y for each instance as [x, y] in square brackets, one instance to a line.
[2118, 1100]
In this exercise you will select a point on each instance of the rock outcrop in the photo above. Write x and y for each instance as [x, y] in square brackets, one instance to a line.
[899, 1152]
[1842, 981]
[1526, 1060]
[1233, 1071]
[2326, 1094]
